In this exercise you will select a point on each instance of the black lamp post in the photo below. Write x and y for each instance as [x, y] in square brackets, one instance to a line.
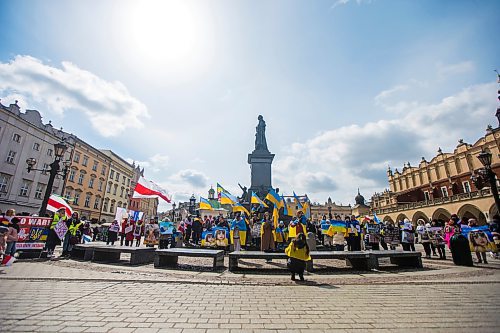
[59, 150]
[173, 212]
[485, 159]
[192, 204]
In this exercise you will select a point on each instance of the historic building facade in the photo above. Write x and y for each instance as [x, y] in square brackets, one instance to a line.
[86, 182]
[440, 187]
[23, 136]
[118, 185]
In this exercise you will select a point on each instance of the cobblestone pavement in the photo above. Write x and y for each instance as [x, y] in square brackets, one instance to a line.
[114, 306]
[76, 296]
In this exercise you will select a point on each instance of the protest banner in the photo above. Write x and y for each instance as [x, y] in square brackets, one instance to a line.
[33, 232]
[151, 234]
[480, 238]
[216, 237]
[61, 229]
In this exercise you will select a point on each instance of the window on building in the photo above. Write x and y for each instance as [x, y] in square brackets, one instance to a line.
[121, 191]
[16, 138]
[119, 204]
[39, 190]
[427, 196]
[87, 201]
[4, 182]
[45, 167]
[94, 167]
[123, 180]
[76, 198]
[96, 203]
[68, 195]
[105, 206]
[103, 170]
[126, 193]
[76, 158]
[112, 207]
[115, 189]
[91, 182]
[117, 176]
[124, 205]
[466, 187]
[80, 178]
[128, 181]
[10, 157]
[72, 175]
[111, 174]
[99, 188]
[444, 191]
[36, 146]
[108, 188]
[25, 187]
[85, 160]
[50, 152]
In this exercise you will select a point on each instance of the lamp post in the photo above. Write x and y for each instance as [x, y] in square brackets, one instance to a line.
[485, 159]
[192, 204]
[59, 150]
[173, 212]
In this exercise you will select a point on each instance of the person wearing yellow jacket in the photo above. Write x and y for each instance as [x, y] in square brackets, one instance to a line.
[298, 253]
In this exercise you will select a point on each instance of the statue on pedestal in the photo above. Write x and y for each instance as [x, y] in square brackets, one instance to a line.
[260, 136]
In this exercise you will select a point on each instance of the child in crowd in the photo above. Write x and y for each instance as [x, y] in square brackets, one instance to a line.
[298, 254]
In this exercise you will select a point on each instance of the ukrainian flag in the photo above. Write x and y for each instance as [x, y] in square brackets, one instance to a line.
[274, 197]
[285, 206]
[221, 189]
[205, 204]
[275, 217]
[227, 199]
[237, 207]
[256, 200]
[243, 231]
[297, 200]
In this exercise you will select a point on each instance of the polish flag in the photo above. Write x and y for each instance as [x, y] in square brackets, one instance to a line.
[56, 202]
[148, 189]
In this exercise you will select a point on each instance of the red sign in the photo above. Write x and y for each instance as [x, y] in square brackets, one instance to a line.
[30, 221]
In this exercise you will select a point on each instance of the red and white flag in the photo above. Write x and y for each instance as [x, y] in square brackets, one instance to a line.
[56, 202]
[148, 189]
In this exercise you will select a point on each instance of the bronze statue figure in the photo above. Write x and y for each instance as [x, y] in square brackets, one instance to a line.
[260, 136]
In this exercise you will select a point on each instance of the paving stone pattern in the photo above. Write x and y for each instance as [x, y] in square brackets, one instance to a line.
[127, 306]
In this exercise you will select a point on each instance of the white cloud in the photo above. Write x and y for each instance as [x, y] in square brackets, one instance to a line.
[345, 2]
[156, 163]
[335, 163]
[71, 89]
[381, 98]
[464, 67]
[194, 178]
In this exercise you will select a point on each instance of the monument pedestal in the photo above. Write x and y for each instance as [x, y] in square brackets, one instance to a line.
[260, 165]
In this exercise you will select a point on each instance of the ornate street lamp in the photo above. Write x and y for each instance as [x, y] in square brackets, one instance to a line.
[173, 212]
[192, 204]
[59, 150]
[488, 175]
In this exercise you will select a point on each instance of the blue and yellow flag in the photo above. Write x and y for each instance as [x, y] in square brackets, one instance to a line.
[285, 206]
[275, 217]
[221, 189]
[237, 207]
[205, 204]
[256, 200]
[227, 199]
[274, 197]
[297, 200]
[242, 227]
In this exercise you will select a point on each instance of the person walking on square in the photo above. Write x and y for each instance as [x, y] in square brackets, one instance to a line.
[408, 236]
[426, 239]
[298, 254]
[129, 233]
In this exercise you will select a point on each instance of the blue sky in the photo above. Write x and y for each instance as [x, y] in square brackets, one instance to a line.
[346, 87]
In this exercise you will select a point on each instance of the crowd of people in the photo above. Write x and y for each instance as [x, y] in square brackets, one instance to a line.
[296, 238]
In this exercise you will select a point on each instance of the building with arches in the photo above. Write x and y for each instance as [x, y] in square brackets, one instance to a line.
[438, 188]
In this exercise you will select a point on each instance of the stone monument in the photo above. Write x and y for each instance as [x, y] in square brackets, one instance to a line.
[260, 161]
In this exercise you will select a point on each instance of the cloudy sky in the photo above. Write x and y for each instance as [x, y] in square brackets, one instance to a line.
[346, 87]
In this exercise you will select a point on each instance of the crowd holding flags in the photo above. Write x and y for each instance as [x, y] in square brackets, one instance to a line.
[256, 200]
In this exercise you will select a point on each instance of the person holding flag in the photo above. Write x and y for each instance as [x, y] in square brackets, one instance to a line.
[52, 238]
